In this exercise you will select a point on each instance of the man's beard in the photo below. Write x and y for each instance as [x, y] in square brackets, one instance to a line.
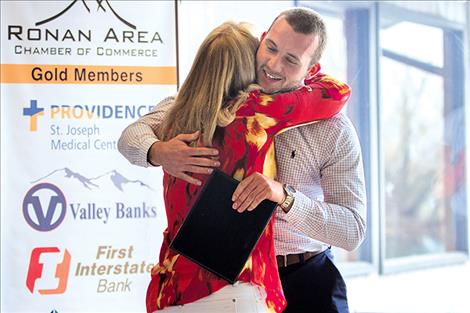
[282, 90]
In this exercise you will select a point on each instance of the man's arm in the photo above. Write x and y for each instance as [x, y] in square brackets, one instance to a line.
[140, 145]
[137, 138]
[338, 220]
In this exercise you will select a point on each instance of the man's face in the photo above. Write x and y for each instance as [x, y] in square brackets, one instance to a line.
[283, 57]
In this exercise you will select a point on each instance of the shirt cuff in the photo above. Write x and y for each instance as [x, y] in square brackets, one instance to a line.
[145, 148]
[299, 209]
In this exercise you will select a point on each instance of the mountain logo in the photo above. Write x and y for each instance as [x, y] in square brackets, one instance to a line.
[116, 178]
[101, 7]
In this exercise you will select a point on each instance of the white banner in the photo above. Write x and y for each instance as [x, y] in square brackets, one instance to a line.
[81, 227]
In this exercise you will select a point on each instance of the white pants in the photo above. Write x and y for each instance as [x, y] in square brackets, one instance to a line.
[237, 298]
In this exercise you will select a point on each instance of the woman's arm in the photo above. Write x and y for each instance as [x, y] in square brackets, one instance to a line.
[322, 98]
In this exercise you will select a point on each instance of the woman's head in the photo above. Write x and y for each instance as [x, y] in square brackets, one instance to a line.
[226, 58]
[224, 65]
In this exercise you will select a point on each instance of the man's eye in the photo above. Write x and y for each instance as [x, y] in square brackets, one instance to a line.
[291, 61]
[271, 49]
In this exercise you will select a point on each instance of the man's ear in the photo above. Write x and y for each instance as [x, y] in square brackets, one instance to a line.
[314, 69]
[263, 35]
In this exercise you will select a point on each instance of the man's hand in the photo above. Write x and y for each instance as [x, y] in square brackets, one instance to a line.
[178, 159]
[254, 189]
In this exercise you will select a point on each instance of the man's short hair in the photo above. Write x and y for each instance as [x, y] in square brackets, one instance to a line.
[306, 21]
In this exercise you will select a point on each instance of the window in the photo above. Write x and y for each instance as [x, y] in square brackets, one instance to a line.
[341, 61]
[406, 67]
[423, 148]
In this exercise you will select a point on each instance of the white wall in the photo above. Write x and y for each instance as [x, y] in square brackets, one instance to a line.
[436, 290]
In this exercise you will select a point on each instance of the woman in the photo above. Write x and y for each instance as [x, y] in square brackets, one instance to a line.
[219, 99]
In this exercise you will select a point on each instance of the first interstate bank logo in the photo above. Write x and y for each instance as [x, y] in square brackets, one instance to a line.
[36, 271]
[112, 268]
[60, 121]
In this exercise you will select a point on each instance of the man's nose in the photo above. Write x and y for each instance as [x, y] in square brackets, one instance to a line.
[274, 64]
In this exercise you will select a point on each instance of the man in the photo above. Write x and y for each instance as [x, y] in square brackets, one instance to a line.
[319, 170]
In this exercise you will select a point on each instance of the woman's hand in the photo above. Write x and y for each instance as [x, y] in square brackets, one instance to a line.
[254, 189]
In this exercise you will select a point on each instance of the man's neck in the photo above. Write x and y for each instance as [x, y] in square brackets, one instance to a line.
[284, 90]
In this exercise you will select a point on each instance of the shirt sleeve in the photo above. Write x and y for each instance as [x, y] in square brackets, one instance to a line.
[137, 138]
[340, 219]
[322, 98]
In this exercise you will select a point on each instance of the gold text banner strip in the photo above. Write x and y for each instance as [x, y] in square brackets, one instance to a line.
[87, 74]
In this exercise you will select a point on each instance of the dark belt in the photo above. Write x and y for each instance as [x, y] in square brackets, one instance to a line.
[291, 259]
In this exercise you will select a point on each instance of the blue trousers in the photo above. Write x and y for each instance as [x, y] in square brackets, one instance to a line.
[315, 286]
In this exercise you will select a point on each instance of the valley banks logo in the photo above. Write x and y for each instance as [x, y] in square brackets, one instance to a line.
[35, 271]
[44, 207]
[81, 112]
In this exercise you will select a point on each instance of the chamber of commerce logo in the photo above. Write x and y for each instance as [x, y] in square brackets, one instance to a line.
[35, 270]
[100, 7]
[44, 207]
[33, 111]
[63, 31]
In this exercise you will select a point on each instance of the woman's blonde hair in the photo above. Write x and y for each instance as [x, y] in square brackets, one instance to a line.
[223, 69]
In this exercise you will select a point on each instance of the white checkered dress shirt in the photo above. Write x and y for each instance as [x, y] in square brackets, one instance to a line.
[321, 160]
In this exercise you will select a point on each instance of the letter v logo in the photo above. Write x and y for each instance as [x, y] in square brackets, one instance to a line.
[41, 197]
